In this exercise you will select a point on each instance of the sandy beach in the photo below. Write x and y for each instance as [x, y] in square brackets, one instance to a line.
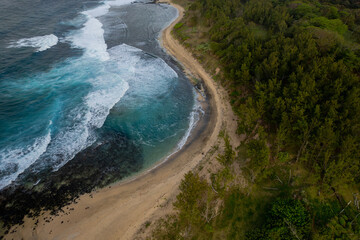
[119, 211]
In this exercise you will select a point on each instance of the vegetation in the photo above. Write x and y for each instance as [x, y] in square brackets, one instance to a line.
[292, 72]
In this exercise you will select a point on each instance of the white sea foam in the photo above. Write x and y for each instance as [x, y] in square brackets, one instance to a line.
[78, 122]
[40, 42]
[194, 117]
[108, 87]
[139, 74]
[148, 77]
[91, 36]
[105, 6]
[100, 106]
[98, 11]
[117, 3]
[15, 161]
[108, 90]
[125, 49]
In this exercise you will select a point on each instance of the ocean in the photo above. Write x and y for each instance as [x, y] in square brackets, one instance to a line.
[87, 96]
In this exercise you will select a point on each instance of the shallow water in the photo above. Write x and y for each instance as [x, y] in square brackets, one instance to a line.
[113, 62]
[87, 97]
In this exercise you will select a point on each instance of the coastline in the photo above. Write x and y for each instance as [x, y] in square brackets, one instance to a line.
[118, 211]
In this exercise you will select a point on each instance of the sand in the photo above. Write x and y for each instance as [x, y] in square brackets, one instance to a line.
[119, 211]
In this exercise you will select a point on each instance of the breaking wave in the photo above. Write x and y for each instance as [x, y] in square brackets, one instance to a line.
[41, 43]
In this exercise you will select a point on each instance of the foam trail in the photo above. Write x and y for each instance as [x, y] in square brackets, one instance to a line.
[16, 161]
[77, 132]
[75, 127]
[194, 118]
[91, 36]
[40, 42]
[148, 88]
[98, 103]
[79, 136]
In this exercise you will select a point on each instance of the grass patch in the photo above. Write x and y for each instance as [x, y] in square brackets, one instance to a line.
[258, 31]
[178, 25]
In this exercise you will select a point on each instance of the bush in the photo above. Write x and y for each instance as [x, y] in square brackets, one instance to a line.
[286, 219]
[335, 25]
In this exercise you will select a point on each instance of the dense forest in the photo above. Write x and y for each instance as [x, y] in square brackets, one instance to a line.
[292, 72]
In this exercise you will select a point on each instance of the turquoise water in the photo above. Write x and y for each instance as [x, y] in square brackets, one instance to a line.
[74, 89]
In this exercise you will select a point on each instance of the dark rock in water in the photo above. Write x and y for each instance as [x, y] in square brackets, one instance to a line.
[105, 162]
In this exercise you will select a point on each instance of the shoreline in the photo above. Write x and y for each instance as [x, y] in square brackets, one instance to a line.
[119, 210]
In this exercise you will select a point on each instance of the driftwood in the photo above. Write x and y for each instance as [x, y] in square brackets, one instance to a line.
[213, 188]
[345, 207]
[356, 201]
[292, 229]
[277, 178]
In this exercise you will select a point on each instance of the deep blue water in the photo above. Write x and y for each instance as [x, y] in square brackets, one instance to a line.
[74, 74]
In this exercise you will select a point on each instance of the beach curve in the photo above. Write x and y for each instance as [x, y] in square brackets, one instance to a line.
[119, 211]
